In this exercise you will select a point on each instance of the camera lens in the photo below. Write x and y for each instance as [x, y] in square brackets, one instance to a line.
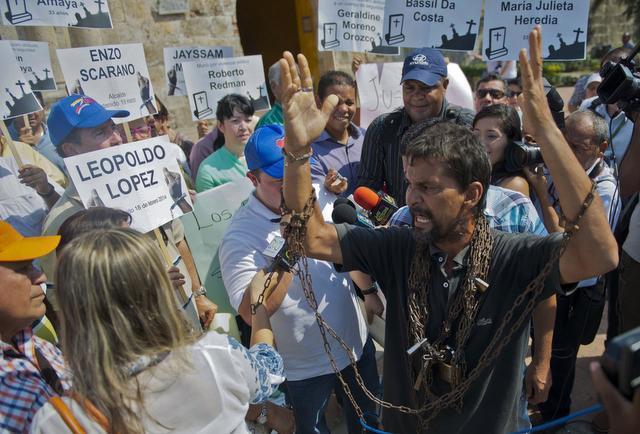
[519, 155]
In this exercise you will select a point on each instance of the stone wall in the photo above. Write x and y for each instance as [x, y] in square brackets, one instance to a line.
[608, 23]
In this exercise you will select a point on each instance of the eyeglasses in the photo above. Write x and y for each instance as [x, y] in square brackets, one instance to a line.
[495, 93]
[513, 93]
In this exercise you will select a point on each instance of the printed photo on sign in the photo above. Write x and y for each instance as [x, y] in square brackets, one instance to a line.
[207, 82]
[175, 56]
[507, 25]
[142, 178]
[114, 75]
[445, 24]
[16, 97]
[35, 63]
[352, 25]
[60, 13]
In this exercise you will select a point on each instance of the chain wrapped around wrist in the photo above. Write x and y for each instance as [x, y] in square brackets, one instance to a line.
[292, 158]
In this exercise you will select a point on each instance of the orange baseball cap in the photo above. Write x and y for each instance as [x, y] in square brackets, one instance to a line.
[14, 247]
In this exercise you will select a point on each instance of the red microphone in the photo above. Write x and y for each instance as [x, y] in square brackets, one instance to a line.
[379, 205]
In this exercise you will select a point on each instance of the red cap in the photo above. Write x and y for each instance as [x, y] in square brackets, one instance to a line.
[366, 198]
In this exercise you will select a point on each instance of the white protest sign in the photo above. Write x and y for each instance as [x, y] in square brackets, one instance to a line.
[204, 229]
[175, 56]
[35, 63]
[352, 25]
[142, 178]
[379, 90]
[507, 25]
[16, 97]
[445, 24]
[207, 82]
[61, 13]
[114, 75]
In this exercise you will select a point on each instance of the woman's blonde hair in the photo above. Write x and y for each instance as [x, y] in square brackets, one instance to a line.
[117, 305]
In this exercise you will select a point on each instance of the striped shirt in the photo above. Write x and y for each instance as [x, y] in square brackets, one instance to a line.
[381, 160]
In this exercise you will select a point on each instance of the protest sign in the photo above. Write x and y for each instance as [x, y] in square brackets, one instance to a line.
[507, 25]
[34, 61]
[352, 25]
[379, 89]
[445, 24]
[61, 13]
[114, 75]
[142, 178]
[204, 229]
[207, 82]
[17, 98]
[175, 56]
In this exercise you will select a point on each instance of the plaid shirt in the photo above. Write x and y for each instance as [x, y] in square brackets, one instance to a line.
[23, 390]
[506, 211]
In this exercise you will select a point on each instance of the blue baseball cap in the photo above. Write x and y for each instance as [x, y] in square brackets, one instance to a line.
[426, 65]
[77, 111]
[264, 150]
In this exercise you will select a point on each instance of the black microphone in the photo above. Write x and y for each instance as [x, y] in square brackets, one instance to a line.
[379, 205]
[345, 213]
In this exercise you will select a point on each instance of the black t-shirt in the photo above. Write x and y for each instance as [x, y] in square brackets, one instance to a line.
[491, 402]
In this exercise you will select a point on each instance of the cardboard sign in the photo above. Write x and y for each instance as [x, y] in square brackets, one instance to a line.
[352, 25]
[175, 56]
[142, 178]
[114, 75]
[507, 25]
[207, 82]
[204, 229]
[379, 90]
[16, 97]
[35, 63]
[445, 24]
[60, 13]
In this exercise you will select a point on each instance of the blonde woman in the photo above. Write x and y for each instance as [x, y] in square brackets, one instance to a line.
[135, 366]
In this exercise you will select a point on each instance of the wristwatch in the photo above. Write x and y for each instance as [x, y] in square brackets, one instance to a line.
[262, 417]
[199, 292]
[371, 290]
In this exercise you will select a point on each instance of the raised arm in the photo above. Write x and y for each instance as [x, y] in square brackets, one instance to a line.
[592, 251]
[303, 122]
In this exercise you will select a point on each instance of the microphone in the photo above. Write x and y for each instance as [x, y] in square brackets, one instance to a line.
[381, 206]
[346, 213]
[344, 200]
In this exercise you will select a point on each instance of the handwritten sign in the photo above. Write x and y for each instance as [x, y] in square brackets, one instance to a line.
[35, 63]
[207, 82]
[114, 75]
[352, 25]
[379, 90]
[175, 56]
[507, 25]
[204, 229]
[61, 13]
[142, 178]
[445, 24]
[16, 97]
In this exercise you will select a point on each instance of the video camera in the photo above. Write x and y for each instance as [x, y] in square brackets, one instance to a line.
[621, 83]
[621, 362]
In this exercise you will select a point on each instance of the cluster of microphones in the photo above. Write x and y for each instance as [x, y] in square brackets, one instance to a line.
[372, 209]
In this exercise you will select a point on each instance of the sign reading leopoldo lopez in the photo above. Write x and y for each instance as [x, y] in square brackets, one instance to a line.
[175, 56]
[61, 13]
[142, 178]
[207, 82]
[507, 25]
[114, 75]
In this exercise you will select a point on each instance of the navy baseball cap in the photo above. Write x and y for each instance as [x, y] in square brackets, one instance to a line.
[264, 150]
[426, 65]
[77, 111]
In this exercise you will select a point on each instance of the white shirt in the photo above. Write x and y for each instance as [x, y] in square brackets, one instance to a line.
[243, 251]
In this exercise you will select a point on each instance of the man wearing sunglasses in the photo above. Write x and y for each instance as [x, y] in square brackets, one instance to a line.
[490, 90]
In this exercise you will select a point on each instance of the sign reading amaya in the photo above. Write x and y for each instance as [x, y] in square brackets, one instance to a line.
[114, 75]
[35, 63]
[444, 24]
[16, 97]
[142, 178]
[507, 25]
[61, 13]
[207, 82]
[352, 25]
[175, 56]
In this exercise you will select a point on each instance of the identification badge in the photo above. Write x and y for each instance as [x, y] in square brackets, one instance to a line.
[274, 247]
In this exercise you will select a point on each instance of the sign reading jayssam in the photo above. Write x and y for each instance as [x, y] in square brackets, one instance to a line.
[35, 63]
[175, 56]
[352, 25]
[114, 75]
[507, 25]
[207, 82]
[16, 97]
[61, 13]
[142, 178]
[444, 24]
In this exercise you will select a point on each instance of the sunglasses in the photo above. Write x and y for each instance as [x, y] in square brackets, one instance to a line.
[513, 93]
[495, 93]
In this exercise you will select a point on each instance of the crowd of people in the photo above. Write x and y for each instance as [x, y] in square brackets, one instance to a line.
[513, 222]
